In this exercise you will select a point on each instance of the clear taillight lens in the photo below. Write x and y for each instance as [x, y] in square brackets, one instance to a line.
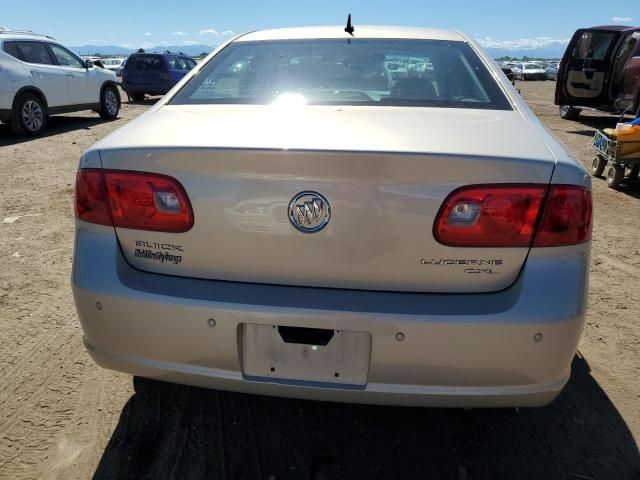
[137, 200]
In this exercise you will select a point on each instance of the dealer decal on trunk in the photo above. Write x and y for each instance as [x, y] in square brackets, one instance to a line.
[158, 252]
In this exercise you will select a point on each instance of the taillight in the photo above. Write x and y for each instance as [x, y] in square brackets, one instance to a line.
[91, 198]
[507, 215]
[567, 217]
[137, 200]
[490, 216]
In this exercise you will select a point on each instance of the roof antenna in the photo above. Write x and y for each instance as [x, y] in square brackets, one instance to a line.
[349, 28]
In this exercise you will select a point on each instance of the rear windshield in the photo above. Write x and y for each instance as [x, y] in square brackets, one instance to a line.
[179, 63]
[337, 72]
[145, 63]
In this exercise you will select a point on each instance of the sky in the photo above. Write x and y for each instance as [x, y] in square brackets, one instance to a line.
[133, 24]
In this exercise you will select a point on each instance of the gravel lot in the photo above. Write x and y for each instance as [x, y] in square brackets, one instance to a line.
[63, 417]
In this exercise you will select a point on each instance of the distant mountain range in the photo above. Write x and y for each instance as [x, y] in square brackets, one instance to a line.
[115, 50]
[555, 50]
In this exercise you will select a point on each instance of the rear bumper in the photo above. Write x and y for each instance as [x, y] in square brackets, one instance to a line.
[5, 114]
[459, 350]
[149, 88]
[534, 76]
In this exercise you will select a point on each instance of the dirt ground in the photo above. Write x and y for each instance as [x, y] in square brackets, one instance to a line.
[63, 417]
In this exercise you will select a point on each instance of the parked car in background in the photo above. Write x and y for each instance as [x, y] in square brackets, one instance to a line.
[154, 73]
[600, 70]
[552, 71]
[114, 64]
[282, 225]
[509, 73]
[529, 71]
[39, 77]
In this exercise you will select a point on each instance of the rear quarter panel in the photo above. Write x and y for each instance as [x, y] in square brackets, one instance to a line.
[12, 78]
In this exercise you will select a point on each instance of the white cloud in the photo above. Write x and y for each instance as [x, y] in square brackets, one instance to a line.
[523, 43]
[212, 32]
[621, 19]
[180, 34]
[189, 42]
[147, 34]
[127, 45]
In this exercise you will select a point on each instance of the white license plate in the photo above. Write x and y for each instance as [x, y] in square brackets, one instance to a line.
[343, 360]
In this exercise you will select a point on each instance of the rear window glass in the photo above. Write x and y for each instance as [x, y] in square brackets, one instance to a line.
[337, 72]
[11, 49]
[594, 45]
[145, 63]
[35, 52]
[179, 63]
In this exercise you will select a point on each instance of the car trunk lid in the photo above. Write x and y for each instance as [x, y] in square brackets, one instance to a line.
[384, 171]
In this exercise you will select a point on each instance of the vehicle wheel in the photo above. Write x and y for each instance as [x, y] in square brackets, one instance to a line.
[137, 97]
[597, 166]
[615, 174]
[568, 112]
[30, 116]
[633, 171]
[109, 103]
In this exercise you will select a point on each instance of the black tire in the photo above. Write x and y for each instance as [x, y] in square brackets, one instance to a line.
[597, 166]
[568, 112]
[634, 170]
[137, 97]
[29, 116]
[109, 103]
[615, 174]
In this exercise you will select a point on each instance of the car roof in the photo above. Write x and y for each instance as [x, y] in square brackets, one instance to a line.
[617, 28]
[164, 54]
[6, 34]
[361, 31]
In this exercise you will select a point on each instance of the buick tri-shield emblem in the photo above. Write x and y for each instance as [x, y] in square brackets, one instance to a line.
[309, 212]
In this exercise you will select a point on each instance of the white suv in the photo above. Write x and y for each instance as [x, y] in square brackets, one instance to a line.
[39, 77]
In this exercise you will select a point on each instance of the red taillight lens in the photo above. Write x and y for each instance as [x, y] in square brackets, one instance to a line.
[137, 200]
[507, 216]
[490, 216]
[91, 198]
[567, 217]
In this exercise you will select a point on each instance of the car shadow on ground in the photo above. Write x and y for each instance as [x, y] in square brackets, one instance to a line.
[148, 101]
[628, 186]
[56, 125]
[172, 431]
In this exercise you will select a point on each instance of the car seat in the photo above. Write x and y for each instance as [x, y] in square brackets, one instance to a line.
[414, 88]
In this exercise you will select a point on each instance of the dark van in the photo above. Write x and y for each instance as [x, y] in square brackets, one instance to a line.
[600, 71]
[154, 73]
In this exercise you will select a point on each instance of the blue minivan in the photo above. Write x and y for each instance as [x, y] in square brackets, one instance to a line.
[154, 73]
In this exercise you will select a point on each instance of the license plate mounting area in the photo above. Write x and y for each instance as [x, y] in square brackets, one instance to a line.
[300, 354]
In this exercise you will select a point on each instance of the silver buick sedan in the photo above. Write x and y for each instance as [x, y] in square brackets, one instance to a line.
[373, 217]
